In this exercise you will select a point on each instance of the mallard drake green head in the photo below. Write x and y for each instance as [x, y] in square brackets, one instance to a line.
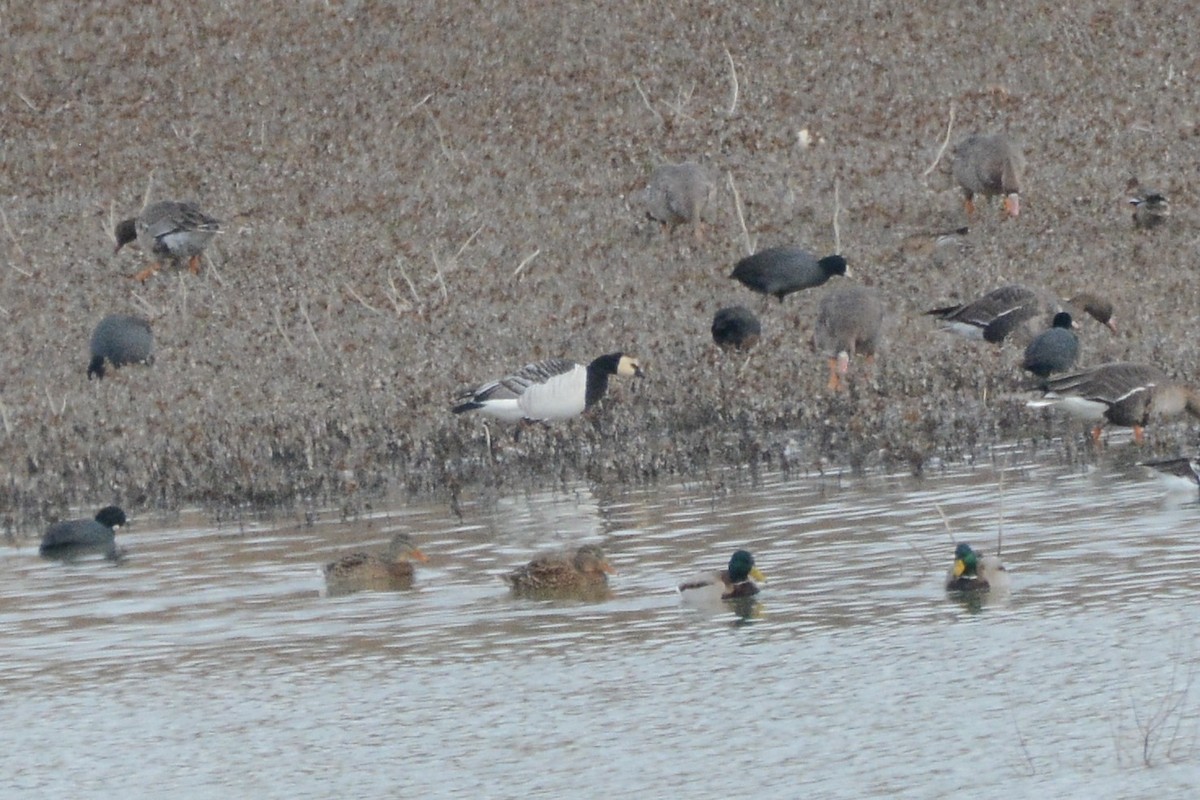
[974, 572]
[545, 391]
[363, 571]
[585, 573]
[735, 581]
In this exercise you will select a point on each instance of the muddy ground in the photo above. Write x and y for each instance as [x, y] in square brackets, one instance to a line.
[425, 196]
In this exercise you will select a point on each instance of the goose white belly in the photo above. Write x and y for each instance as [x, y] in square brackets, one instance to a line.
[1078, 407]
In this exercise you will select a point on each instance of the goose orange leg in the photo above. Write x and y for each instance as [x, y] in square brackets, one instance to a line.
[148, 272]
[835, 380]
[194, 265]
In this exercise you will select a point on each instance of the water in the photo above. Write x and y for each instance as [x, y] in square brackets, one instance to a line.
[210, 664]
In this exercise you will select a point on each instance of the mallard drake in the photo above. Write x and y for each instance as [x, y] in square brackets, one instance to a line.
[731, 583]
[71, 538]
[363, 570]
[585, 573]
[736, 327]
[989, 165]
[554, 389]
[1053, 350]
[780, 271]
[678, 194]
[849, 321]
[1120, 393]
[120, 339]
[1001, 312]
[1151, 208]
[975, 572]
[169, 230]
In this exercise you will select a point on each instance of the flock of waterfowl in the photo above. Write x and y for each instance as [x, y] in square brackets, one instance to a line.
[849, 322]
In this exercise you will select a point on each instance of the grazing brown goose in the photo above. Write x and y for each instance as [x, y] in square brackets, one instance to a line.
[367, 571]
[169, 231]
[989, 165]
[1013, 309]
[1120, 393]
[678, 194]
[849, 321]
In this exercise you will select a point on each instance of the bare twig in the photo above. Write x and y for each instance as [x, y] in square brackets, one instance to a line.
[1000, 513]
[837, 207]
[50, 400]
[4, 418]
[437, 268]
[16, 244]
[469, 239]
[283, 335]
[149, 189]
[311, 330]
[359, 298]
[637, 85]
[150, 310]
[737, 207]
[441, 136]
[928, 563]
[945, 522]
[420, 103]
[411, 288]
[945, 144]
[394, 295]
[29, 103]
[525, 261]
[734, 79]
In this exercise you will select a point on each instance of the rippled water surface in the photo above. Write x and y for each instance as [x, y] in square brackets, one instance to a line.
[210, 664]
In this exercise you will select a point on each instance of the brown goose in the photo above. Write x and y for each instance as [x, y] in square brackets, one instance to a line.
[678, 194]
[169, 231]
[849, 322]
[1120, 393]
[1017, 309]
[989, 165]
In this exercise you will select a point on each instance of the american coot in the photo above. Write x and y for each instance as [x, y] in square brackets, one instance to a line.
[989, 165]
[169, 231]
[736, 327]
[585, 573]
[1120, 393]
[780, 271]
[1151, 209]
[1054, 350]
[849, 322]
[975, 572]
[735, 581]
[78, 537]
[1012, 309]
[363, 571]
[119, 340]
[554, 389]
[678, 194]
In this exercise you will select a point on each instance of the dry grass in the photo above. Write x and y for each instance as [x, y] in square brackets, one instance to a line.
[404, 161]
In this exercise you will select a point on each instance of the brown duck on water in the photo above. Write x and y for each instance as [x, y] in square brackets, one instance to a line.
[585, 573]
[365, 571]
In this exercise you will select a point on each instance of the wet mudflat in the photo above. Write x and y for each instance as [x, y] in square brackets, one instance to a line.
[210, 662]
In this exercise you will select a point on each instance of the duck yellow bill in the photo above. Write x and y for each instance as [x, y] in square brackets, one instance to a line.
[959, 567]
[756, 573]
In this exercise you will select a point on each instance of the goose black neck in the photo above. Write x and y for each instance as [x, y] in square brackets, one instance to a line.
[597, 377]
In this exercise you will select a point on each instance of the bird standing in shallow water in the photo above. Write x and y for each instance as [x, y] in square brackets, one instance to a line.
[1054, 350]
[849, 322]
[989, 165]
[780, 271]
[678, 194]
[169, 231]
[76, 537]
[119, 339]
[584, 575]
[975, 572]
[545, 391]
[366, 571]
[734, 582]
